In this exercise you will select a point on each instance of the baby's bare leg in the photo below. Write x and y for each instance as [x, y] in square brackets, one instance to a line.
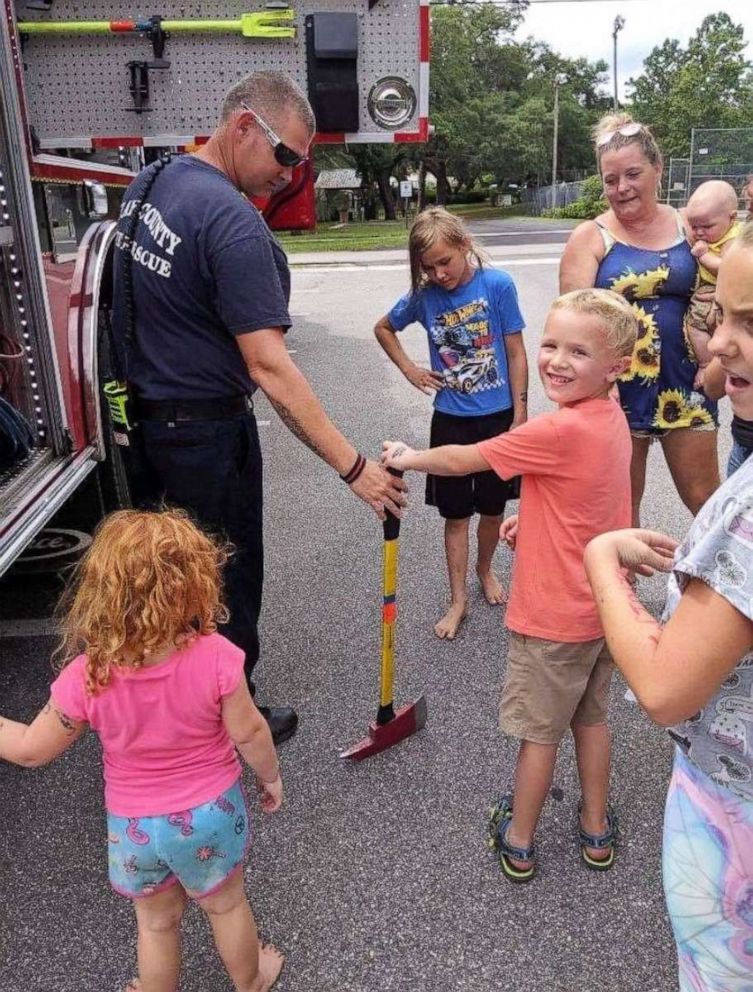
[251, 968]
[158, 918]
[488, 539]
[456, 549]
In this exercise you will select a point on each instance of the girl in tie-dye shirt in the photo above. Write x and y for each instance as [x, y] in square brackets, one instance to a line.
[701, 686]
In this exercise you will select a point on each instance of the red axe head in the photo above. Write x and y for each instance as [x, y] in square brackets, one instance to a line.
[407, 720]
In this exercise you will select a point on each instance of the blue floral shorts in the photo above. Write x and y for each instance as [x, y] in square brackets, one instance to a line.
[200, 847]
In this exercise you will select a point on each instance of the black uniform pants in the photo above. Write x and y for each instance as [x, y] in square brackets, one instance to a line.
[213, 470]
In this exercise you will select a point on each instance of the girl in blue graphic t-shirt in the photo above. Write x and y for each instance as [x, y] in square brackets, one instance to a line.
[479, 378]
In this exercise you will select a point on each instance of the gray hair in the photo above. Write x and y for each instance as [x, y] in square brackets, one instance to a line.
[272, 94]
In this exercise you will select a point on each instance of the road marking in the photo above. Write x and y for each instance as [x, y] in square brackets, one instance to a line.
[400, 267]
[37, 627]
[517, 234]
[263, 423]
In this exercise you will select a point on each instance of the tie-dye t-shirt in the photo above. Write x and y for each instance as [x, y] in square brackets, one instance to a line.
[719, 550]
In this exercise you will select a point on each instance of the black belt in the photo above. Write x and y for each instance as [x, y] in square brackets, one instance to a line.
[176, 410]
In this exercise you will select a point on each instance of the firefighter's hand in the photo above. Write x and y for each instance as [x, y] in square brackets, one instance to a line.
[381, 490]
[424, 379]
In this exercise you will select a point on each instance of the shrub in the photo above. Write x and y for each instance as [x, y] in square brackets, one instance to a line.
[589, 204]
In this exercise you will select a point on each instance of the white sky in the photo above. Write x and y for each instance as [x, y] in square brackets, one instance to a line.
[578, 28]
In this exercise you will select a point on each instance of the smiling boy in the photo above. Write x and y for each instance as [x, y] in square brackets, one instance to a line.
[575, 468]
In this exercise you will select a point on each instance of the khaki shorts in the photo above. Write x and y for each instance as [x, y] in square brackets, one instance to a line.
[549, 685]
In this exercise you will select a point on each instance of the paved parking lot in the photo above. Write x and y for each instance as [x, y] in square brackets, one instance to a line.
[374, 876]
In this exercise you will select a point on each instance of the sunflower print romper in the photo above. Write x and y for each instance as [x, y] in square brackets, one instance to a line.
[657, 392]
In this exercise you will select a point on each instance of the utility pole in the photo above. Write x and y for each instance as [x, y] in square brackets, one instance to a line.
[619, 24]
[555, 139]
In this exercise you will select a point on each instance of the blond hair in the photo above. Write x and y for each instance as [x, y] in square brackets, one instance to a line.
[149, 580]
[610, 124]
[745, 238]
[430, 226]
[614, 311]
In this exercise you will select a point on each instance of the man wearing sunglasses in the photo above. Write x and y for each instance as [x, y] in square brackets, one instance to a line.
[210, 291]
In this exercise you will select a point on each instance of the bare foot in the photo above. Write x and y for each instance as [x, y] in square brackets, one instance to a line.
[494, 591]
[449, 625]
[133, 986]
[270, 965]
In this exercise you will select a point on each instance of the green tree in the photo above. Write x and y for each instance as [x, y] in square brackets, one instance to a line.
[492, 101]
[706, 85]
[376, 164]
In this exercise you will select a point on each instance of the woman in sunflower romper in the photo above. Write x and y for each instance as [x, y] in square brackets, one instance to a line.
[639, 249]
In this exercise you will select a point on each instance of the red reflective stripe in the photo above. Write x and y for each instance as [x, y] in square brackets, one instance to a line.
[130, 142]
[58, 171]
[424, 45]
[116, 26]
[80, 299]
[329, 138]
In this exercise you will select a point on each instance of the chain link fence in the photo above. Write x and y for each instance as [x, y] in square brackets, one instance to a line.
[715, 153]
[542, 197]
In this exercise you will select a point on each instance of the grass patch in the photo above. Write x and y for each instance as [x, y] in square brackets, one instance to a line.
[372, 235]
[381, 234]
[485, 211]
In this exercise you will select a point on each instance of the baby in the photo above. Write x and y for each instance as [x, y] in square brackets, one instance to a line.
[712, 216]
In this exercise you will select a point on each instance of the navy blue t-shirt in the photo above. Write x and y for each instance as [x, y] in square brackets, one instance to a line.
[205, 268]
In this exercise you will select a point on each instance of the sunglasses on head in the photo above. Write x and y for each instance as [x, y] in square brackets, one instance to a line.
[284, 155]
[627, 131]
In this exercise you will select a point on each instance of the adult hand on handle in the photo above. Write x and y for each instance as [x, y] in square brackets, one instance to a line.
[380, 490]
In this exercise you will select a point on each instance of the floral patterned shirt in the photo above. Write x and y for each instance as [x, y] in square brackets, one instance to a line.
[718, 550]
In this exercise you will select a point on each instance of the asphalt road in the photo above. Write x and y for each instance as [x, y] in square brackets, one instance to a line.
[374, 876]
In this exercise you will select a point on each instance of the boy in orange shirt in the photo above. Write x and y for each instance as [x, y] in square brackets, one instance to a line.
[575, 468]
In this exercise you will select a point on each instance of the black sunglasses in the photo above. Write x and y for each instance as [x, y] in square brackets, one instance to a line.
[286, 157]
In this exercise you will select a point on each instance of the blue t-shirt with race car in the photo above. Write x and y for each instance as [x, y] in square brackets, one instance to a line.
[205, 268]
[466, 330]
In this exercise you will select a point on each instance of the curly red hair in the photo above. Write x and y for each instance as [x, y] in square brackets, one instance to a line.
[149, 581]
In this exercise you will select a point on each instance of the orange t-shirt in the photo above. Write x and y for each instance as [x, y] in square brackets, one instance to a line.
[575, 465]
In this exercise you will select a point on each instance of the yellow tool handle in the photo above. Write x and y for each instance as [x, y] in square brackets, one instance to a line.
[389, 615]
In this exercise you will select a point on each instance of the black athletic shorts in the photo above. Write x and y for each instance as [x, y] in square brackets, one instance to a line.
[460, 496]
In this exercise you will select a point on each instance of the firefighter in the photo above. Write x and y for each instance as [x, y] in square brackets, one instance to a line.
[201, 309]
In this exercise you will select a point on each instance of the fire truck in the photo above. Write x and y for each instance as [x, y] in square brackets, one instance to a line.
[88, 95]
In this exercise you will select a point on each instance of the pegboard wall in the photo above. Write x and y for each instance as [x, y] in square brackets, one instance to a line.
[77, 86]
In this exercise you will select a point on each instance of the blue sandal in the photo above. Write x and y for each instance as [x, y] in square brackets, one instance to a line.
[500, 818]
[606, 842]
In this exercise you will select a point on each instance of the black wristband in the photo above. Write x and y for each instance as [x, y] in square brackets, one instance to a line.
[358, 466]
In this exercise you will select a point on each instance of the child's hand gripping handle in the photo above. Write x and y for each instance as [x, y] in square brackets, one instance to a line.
[391, 525]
